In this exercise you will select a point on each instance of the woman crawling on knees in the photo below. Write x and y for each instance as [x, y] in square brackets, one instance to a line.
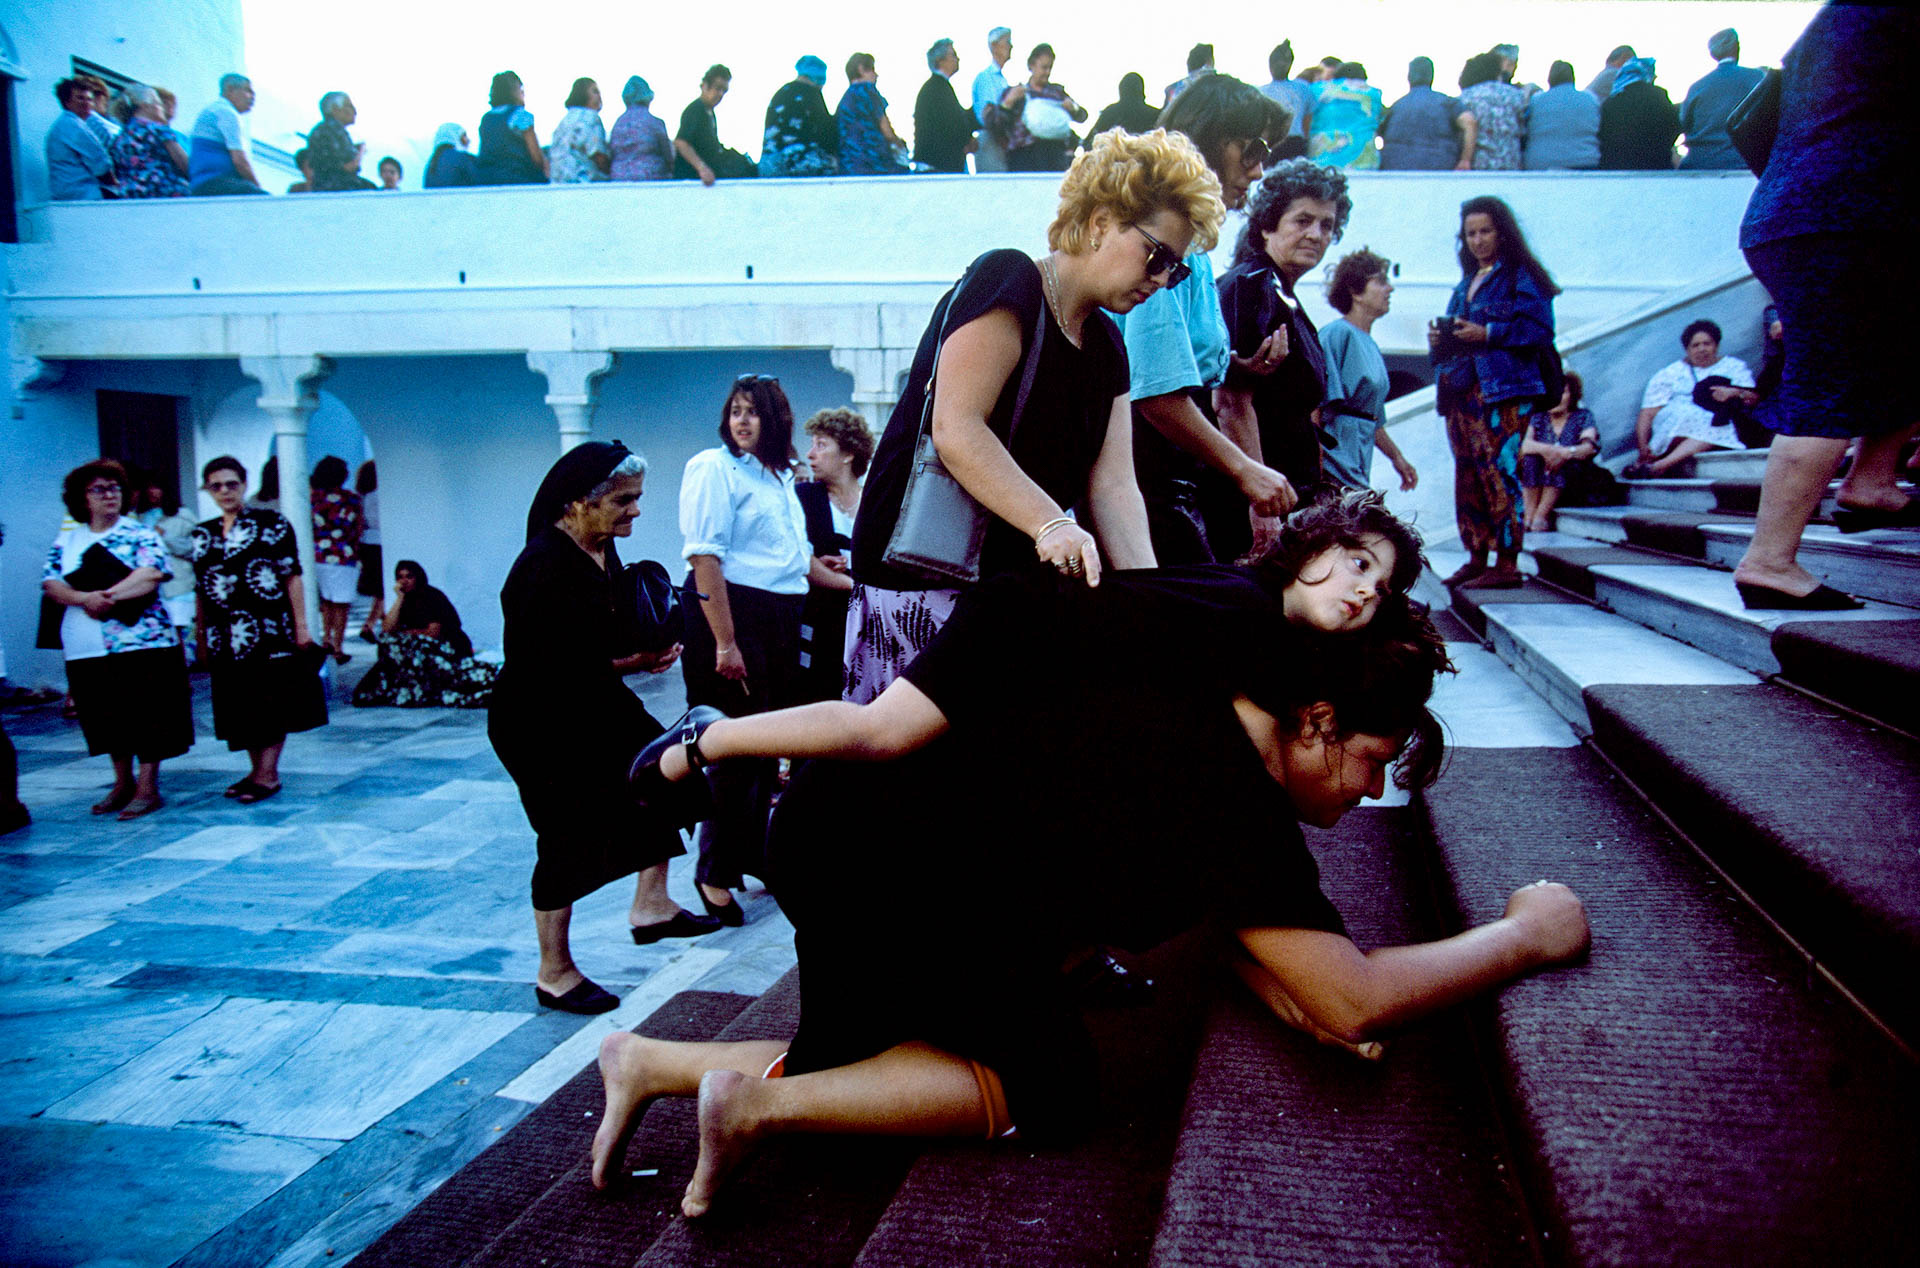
[980, 1035]
[1333, 565]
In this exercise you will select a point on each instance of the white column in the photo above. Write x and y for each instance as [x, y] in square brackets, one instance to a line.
[572, 381]
[287, 399]
[877, 373]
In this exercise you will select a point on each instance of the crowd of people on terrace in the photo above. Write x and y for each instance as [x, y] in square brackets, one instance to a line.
[122, 144]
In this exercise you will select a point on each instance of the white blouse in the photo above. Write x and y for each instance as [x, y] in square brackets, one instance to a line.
[747, 517]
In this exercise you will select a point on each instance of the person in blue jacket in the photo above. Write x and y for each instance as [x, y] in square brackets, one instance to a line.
[1488, 352]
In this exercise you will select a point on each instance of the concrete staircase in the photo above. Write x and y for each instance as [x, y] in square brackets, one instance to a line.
[1728, 1079]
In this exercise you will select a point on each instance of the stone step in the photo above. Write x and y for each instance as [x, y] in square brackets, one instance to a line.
[1731, 464]
[1295, 1153]
[1695, 493]
[1883, 563]
[1685, 1095]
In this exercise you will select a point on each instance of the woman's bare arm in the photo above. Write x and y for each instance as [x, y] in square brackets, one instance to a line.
[1354, 995]
[1116, 512]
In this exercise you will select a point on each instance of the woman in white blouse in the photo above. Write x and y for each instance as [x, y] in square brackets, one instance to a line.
[1672, 427]
[749, 560]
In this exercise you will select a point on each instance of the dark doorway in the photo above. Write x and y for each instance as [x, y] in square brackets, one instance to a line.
[9, 212]
[142, 430]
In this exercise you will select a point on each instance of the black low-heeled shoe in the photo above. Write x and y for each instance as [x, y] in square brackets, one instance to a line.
[730, 914]
[687, 801]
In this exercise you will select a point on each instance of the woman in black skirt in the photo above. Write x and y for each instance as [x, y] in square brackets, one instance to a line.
[565, 725]
[251, 614]
[124, 666]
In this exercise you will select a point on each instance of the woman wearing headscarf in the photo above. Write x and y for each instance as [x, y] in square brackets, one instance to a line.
[451, 165]
[642, 150]
[124, 668]
[801, 138]
[1638, 122]
[566, 726]
[426, 657]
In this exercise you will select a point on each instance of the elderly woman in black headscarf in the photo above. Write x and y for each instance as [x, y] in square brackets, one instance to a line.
[565, 725]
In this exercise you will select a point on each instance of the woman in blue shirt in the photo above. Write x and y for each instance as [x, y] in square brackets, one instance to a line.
[1488, 350]
[510, 152]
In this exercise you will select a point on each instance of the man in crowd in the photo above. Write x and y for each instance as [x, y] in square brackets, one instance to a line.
[217, 161]
[1563, 125]
[1426, 131]
[942, 128]
[1199, 64]
[1703, 115]
[989, 86]
[699, 154]
[1294, 96]
[331, 150]
[78, 166]
[1602, 84]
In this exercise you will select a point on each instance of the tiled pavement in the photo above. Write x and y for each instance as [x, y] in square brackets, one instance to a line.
[259, 1035]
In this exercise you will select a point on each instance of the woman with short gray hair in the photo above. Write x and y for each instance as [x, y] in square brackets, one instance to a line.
[147, 157]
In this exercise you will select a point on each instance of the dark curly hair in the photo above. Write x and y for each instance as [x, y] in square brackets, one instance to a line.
[1695, 327]
[73, 490]
[1285, 182]
[1343, 519]
[1481, 68]
[775, 447]
[1351, 275]
[1378, 680]
[847, 429]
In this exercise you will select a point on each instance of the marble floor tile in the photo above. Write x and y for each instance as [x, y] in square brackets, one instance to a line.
[393, 814]
[433, 901]
[132, 1197]
[324, 844]
[320, 1071]
[475, 790]
[248, 894]
[417, 850]
[221, 844]
[87, 904]
[24, 876]
[478, 819]
[205, 945]
[402, 955]
[98, 1030]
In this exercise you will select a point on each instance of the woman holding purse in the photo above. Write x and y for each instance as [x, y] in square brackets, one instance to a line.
[1029, 413]
[1041, 138]
[124, 666]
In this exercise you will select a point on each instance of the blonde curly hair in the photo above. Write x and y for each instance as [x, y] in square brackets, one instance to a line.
[1134, 177]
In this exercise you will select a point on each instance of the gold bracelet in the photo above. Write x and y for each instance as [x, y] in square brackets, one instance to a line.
[1048, 527]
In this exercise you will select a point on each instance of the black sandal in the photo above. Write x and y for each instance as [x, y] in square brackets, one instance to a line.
[686, 801]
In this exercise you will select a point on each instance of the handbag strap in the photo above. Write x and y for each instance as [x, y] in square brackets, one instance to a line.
[1029, 368]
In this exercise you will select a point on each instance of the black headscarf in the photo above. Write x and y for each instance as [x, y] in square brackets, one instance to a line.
[579, 471]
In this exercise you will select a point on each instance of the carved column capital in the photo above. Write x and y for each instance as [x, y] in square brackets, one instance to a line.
[573, 380]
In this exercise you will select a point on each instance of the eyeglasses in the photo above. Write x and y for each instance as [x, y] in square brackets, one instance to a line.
[1164, 259]
[1254, 153]
[221, 486]
[103, 490]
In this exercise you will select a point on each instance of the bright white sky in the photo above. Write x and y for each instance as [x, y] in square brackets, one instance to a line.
[412, 65]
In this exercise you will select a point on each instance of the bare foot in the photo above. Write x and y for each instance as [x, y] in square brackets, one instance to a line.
[630, 1089]
[727, 1135]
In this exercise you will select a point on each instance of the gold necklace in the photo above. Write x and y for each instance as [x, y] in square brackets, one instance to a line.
[1052, 285]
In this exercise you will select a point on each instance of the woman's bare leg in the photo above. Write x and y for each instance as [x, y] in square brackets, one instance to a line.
[1869, 484]
[1681, 451]
[634, 1070]
[1529, 505]
[912, 1090]
[901, 720]
[557, 974]
[1798, 468]
[1543, 509]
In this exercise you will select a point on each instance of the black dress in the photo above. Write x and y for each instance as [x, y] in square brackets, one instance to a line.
[263, 687]
[1157, 766]
[1254, 301]
[566, 726]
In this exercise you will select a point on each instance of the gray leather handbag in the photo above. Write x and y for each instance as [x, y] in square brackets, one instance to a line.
[941, 526]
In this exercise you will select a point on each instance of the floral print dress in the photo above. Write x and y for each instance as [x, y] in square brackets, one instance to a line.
[242, 583]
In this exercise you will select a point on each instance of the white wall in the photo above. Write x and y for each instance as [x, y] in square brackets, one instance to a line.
[183, 45]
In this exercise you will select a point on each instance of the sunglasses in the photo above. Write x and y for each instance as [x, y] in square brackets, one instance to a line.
[221, 486]
[748, 380]
[1164, 259]
[1254, 153]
